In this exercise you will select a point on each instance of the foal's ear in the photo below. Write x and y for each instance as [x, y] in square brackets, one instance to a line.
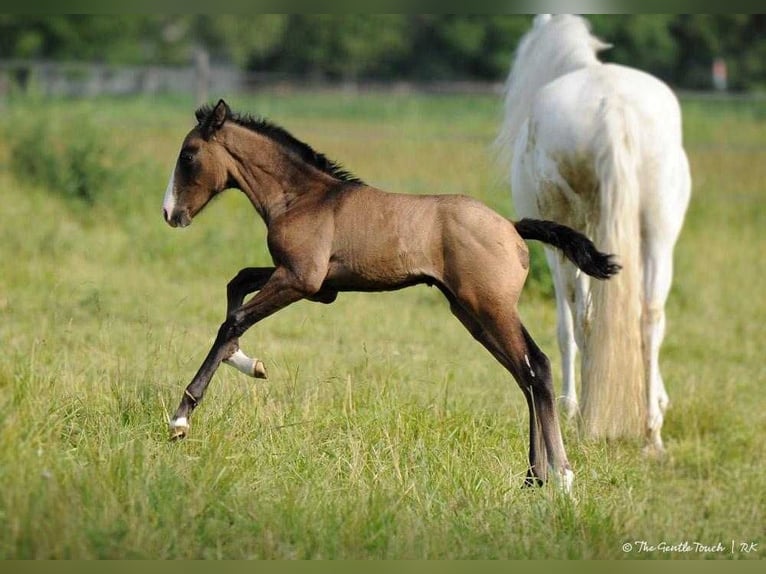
[213, 121]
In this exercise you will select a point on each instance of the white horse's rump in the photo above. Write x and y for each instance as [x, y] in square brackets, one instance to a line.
[598, 147]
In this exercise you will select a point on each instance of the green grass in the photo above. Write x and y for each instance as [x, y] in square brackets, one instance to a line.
[384, 430]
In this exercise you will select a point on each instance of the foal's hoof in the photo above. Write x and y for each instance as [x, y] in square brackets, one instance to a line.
[244, 364]
[532, 481]
[259, 370]
[177, 434]
[179, 428]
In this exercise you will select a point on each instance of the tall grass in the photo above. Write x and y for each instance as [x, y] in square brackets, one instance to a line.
[384, 430]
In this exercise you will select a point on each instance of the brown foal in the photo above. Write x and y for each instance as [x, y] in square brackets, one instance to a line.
[329, 232]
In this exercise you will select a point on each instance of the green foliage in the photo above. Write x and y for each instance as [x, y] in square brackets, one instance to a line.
[69, 158]
[76, 36]
[642, 40]
[679, 48]
[240, 38]
[342, 46]
[739, 38]
[539, 280]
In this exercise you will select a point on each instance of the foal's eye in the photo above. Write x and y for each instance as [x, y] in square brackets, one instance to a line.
[187, 158]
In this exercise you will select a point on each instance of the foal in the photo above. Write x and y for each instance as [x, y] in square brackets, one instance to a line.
[329, 232]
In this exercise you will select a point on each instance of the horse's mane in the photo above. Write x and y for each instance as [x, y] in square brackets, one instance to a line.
[556, 45]
[285, 139]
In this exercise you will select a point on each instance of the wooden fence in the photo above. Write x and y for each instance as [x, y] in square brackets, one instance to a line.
[86, 79]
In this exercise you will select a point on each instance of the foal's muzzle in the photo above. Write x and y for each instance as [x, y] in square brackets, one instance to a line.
[176, 218]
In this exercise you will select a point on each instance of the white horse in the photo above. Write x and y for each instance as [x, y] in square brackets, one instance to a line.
[598, 147]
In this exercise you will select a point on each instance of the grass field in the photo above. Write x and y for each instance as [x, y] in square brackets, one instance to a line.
[384, 430]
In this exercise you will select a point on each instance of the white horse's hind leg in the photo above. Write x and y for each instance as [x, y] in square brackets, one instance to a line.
[564, 286]
[658, 275]
[661, 226]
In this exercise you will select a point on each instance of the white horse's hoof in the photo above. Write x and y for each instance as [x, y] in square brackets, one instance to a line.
[569, 407]
[654, 448]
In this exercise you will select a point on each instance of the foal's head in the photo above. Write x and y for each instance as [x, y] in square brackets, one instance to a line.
[200, 171]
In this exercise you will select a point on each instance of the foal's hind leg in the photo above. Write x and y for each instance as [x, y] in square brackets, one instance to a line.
[532, 370]
[546, 447]
[537, 377]
[537, 454]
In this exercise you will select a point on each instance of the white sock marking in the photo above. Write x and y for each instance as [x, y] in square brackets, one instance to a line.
[531, 370]
[563, 480]
[242, 363]
[567, 481]
[179, 422]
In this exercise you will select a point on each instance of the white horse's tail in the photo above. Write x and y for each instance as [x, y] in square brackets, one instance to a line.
[613, 401]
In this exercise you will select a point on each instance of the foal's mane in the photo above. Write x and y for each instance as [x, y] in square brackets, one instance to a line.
[285, 139]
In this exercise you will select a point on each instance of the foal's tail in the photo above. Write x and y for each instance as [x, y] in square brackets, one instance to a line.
[574, 245]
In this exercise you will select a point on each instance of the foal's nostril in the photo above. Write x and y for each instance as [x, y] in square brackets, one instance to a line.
[165, 213]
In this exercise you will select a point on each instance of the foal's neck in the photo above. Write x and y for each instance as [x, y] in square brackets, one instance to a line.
[270, 176]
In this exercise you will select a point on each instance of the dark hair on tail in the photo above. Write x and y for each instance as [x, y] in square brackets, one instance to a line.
[576, 246]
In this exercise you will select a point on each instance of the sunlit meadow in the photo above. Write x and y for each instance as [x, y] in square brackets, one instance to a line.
[384, 430]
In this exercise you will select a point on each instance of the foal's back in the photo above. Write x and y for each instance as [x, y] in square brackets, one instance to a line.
[568, 116]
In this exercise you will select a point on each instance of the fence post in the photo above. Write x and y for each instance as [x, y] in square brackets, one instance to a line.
[201, 74]
[719, 74]
[4, 87]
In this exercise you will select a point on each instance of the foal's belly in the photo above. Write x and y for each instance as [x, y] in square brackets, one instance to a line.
[383, 241]
[374, 272]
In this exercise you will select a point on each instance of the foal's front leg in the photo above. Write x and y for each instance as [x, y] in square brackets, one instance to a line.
[247, 281]
[278, 292]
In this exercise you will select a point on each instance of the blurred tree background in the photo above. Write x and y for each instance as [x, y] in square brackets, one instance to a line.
[678, 48]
